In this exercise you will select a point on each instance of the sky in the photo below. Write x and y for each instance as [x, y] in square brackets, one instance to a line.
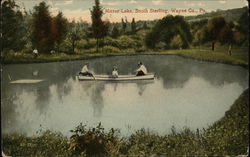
[115, 10]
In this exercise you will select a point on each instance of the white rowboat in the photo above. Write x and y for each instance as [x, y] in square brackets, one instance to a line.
[119, 78]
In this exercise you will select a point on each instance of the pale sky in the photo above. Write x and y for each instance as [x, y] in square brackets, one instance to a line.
[76, 9]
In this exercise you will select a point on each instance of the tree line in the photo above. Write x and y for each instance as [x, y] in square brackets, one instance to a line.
[38, 29]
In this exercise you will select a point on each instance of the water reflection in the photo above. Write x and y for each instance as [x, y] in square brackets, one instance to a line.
[42, 98]
[186, 93]
[97, 99]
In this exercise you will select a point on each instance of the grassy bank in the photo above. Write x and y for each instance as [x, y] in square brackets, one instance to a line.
[238, 57]
[228, 136]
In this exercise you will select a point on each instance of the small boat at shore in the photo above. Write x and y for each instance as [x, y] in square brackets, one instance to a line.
[149, 76]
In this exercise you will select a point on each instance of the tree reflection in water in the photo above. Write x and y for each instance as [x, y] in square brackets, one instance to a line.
[97, 99]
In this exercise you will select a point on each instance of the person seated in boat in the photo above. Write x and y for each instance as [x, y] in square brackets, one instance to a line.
[115, 72]
[142, 70]
[85, 71]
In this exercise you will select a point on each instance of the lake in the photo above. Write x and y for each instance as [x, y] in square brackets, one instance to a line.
[185, 93]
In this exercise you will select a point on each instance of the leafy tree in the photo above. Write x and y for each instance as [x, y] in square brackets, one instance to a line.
[59, 29]
[133, 26]
[42, 34]
[213, 29]
[150, 38]
[27, 31]
[12, 28]
[73, 34]
[166, 29]
[99, 28]
[229, 35]
[226, 36]
[115, 32]
[199, 36]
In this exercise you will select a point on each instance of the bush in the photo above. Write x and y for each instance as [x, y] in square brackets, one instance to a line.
[110, 49]
[66, 46]
[94, 141]
[111, 42]
[176, 42]
[89, 43]
[55, 144]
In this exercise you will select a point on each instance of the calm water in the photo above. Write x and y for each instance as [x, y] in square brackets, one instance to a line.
[185, 93]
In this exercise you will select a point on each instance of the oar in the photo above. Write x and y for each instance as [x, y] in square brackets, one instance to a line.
[93, 76]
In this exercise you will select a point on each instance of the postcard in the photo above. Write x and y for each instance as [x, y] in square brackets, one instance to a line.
[124, 78]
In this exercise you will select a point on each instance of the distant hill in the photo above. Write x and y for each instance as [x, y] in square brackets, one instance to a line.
[230, 15]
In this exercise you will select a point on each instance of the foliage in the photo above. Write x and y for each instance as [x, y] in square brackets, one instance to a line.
[166, 29]
[110, 49]
[243, 26]
[218, 30]
[55, 144]
[74, 35]
[176, 42]
[59, 29]
[231, 130]
[145, 26]
[133, 26]
[94, 141]
[99, 28]
[12, 28]
[124, 26]
[197, 30]
[213, 29]
[244, 22]
[115, 32]
[42, 32]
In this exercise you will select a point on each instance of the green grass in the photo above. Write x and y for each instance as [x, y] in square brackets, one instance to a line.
[228, 136]
[239, 55]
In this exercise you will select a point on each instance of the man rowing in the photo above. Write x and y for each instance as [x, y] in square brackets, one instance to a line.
[142, 70]
[85, 71]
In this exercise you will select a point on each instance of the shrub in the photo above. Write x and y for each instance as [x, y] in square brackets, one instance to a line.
[110, 49]
[94, 141]
[65, 46]
[176, 42]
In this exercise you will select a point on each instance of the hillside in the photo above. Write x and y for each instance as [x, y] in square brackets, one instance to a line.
[231, 15]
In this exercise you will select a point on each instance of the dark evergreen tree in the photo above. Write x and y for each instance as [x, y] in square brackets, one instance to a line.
[133, 26]
[42, 33]
[124, 26]
[59, 29]
[98, 26]
[115, 32]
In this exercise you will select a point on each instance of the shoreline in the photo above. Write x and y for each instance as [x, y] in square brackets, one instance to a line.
[127, 54]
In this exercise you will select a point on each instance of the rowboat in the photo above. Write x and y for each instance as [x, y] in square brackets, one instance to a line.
[112, 78]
